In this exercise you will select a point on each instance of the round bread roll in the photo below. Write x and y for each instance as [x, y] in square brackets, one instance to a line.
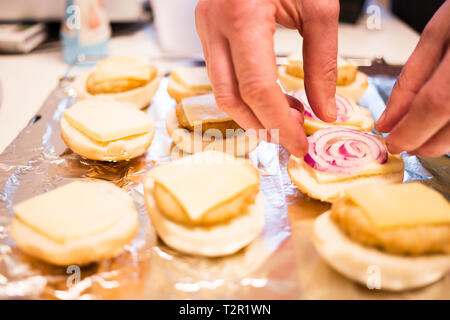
[212, 241]
[354, 90]
[302, 177]
[372, 267]
[238, 144]
[349, 115]
[117, 150]
[83, 250]
[140, 97]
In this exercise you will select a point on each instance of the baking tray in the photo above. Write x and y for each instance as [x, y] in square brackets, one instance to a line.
[280, 264]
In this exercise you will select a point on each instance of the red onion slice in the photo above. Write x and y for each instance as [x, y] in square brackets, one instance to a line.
[344, 107]
[344, 151]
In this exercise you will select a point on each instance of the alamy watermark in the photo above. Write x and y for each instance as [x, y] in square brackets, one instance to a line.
[73, 17]
[233, 141]
[373, 277]
[74, 277]
[373, 21]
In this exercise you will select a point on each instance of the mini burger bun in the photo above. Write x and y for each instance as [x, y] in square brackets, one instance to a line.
[355, 90]
[140, 97]
[362, 264]
[211, 241]
[179, 92]
[302, 177]
[239, 144]
[117, 150]
[103, 245]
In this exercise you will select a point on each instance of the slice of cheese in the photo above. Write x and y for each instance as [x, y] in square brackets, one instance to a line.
[401, 205]
[205, 180]
[192, 78]
[345, 68]
[394, 164]
[357, 118]
[297, 59]
[123, 67]
[104, 120]
[76, 210]
[203, 109]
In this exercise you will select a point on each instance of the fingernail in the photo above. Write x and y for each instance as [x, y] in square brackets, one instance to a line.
[393, 149]
[298, 150]
[380, 123]
[381, 119]
[332, 111]
[332, 116]
[299, 153]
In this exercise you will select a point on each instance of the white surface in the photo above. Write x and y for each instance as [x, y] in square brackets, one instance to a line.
[395, 41]
[28, 79]
[118, 10]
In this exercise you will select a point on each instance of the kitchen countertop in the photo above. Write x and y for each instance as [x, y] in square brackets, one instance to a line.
[27, 79]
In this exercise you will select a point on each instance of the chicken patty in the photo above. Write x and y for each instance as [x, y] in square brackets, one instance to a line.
[419, 240]
[170, 207]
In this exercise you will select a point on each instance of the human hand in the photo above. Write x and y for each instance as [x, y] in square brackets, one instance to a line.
[237, 40]
[418, 111]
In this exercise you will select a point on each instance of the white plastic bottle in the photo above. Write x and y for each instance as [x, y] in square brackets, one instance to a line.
[85, 29]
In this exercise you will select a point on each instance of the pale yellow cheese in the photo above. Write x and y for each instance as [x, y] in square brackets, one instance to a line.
[104, 120]
[203, 109]
[297, 59]
[401, 205]
[356, 119]
[343, 63]
[394, 164]
[295, 62]
[75, 210]
[192, 78]
[122, 67]
[205, 180]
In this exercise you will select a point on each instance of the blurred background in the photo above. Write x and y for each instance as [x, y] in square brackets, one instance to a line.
[129, 16]
[40, 40]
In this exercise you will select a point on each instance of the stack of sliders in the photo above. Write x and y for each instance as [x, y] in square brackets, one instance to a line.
[341, 158]
[207, 204]
[350, 82]
[120, 78]
[197, 124]
[106, 130]
[349, 115]
[78, 223]
[394, 237]
[187, 82]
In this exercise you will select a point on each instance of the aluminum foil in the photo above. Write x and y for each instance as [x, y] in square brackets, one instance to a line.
[280, 264]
